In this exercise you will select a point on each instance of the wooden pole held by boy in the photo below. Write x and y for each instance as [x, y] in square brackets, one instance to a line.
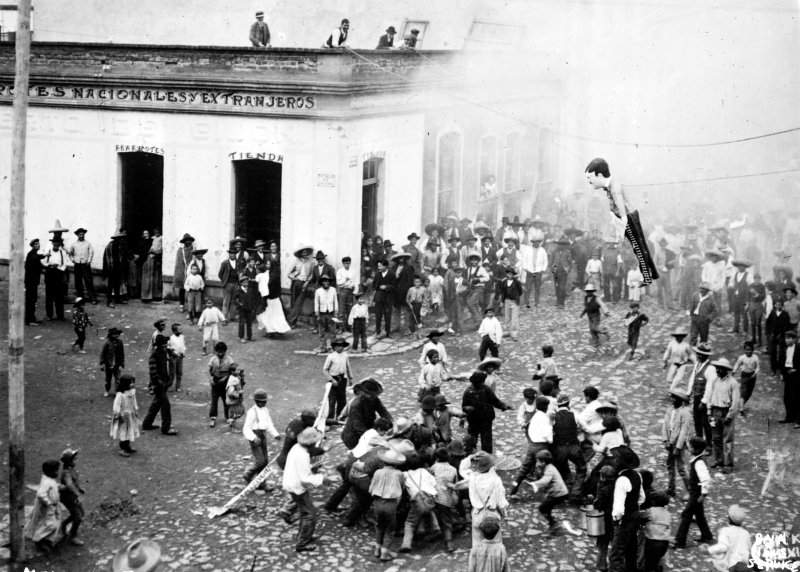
[16, 290]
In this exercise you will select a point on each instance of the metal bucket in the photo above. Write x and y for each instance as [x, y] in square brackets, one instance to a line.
[595, 523]
[585, 509]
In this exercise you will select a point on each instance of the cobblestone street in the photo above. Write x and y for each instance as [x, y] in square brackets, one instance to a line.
[164, 491]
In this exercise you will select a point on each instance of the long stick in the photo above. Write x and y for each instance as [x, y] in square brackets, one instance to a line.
[16, 290]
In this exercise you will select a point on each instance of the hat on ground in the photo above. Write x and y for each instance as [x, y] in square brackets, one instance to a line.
[544, 456]
[736, 514]
[440, 400]
[589, 288]
[303, 247]
[142, 555]
[308, 436]
[563, 399]
[391, 30]
[260, 242]
[428, 403]
[391, 457]
[320, 255]
[456, 447]
[81, 230]
[186, 238]
[482, 461]
[400, 256]
[79, 300]
[339, 342]
[679, 394]
[743, 263]
[260, 395]
[703, 349]
[401, 426]
[704, 286]
[68, 454]
[680, 331]
[723, 362]
[496, 362]
[413, 236]
[259, 14]
[434, 334]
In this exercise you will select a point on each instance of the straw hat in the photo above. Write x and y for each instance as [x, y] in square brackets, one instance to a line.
[482, 461]
[308, 436]
[496, 362]
[391, 457]
[736, 514]
[703, 349]
[299, 250]
[722, 362]
[142, 555]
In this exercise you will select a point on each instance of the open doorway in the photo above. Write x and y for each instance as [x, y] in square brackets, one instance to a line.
[371, 197]
[257, 207]
[141, 193]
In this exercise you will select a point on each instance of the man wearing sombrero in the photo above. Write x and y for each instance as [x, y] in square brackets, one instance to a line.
[115, 267]
[723, 403]
[713, 274]
[183, 258]
[81, 254]
[300, 275]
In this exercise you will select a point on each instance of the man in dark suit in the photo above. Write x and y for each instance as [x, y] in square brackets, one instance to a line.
[259, 32]
[386, 42]
[488, 251]
[384, 285]
[404, 279]
[562, 265]
[789, 360]
[702, 310]
[33, 276]
[229, 280]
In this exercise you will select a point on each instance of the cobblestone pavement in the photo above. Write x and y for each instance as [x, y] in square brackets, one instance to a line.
[177, 479]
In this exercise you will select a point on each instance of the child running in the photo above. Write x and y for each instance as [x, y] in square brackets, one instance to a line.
[634, 320]
[80, 320]
[749, 367]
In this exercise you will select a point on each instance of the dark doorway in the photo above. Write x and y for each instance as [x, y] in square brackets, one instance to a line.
[370, 196]
[142, 193]
[257, 210]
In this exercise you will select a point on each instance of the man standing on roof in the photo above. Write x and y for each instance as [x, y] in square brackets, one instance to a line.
[259, 32]
[338, 37]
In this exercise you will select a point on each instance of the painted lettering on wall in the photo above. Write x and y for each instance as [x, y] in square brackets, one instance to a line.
[374, 155]
[182, 98]
[326, 180]
[140, 149]
[240, 156]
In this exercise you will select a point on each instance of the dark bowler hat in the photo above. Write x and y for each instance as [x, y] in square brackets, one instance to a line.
[413, 236]
[387, 243]
[391, 30]
[81, 230]
[186, 238]
[320, 255]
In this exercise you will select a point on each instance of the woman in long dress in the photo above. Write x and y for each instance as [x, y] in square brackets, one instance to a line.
[151, 269]
[272, 320]
[44, 526]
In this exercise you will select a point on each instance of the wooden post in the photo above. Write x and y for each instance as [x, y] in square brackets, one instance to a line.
[16, 290]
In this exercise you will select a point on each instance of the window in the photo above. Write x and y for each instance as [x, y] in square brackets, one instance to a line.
[449, 172]
[490, 35]
[421, 26]
[488, 174]
[512, 178]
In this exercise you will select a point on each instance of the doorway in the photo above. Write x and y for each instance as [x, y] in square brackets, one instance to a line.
[141, 193]
[257, 207]
[371, 197]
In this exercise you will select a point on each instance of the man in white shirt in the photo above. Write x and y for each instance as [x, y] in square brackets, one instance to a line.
[326, 308]
[540, 436]
[534, 263]
[55, 279]
[81, 254]
[590, 422]
[491, 333]
[346, 282]
[257, 423]
[338, 37]
[628, 496]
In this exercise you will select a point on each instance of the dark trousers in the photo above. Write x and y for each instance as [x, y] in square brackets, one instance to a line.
[361, 500]
[175, 371]
[308, 519]
[81, 337]
[675, 464]
[113, 291]
[560, 280]
[83, 275]
[654, 551]
[337, 397]
[217, 393]
[488, 345]
[624, 547]
[791, 396]
[698, 330]
[260, 458]
[633, 339]
[54, 290]
[533, 281]
[386, 518]
[415, 316]
[562, 456]
[529, 461]
[756, 316]
[452, 308]
[722, 435]
[245, 324]
[694, 509]
[160, 404]
[298, 300]
[702, 428]
[341, 491]
[383, 312]
[484, 432]
[746, 385]
[75, 517]
[112, 372]
[359, 333]
[773, 343]
[31, 296]
[445, 516]
[740, 315]
[181, 295]
[547, 506]
[346, 299]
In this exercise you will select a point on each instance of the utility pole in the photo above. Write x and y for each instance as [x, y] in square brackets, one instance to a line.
[16, 289]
